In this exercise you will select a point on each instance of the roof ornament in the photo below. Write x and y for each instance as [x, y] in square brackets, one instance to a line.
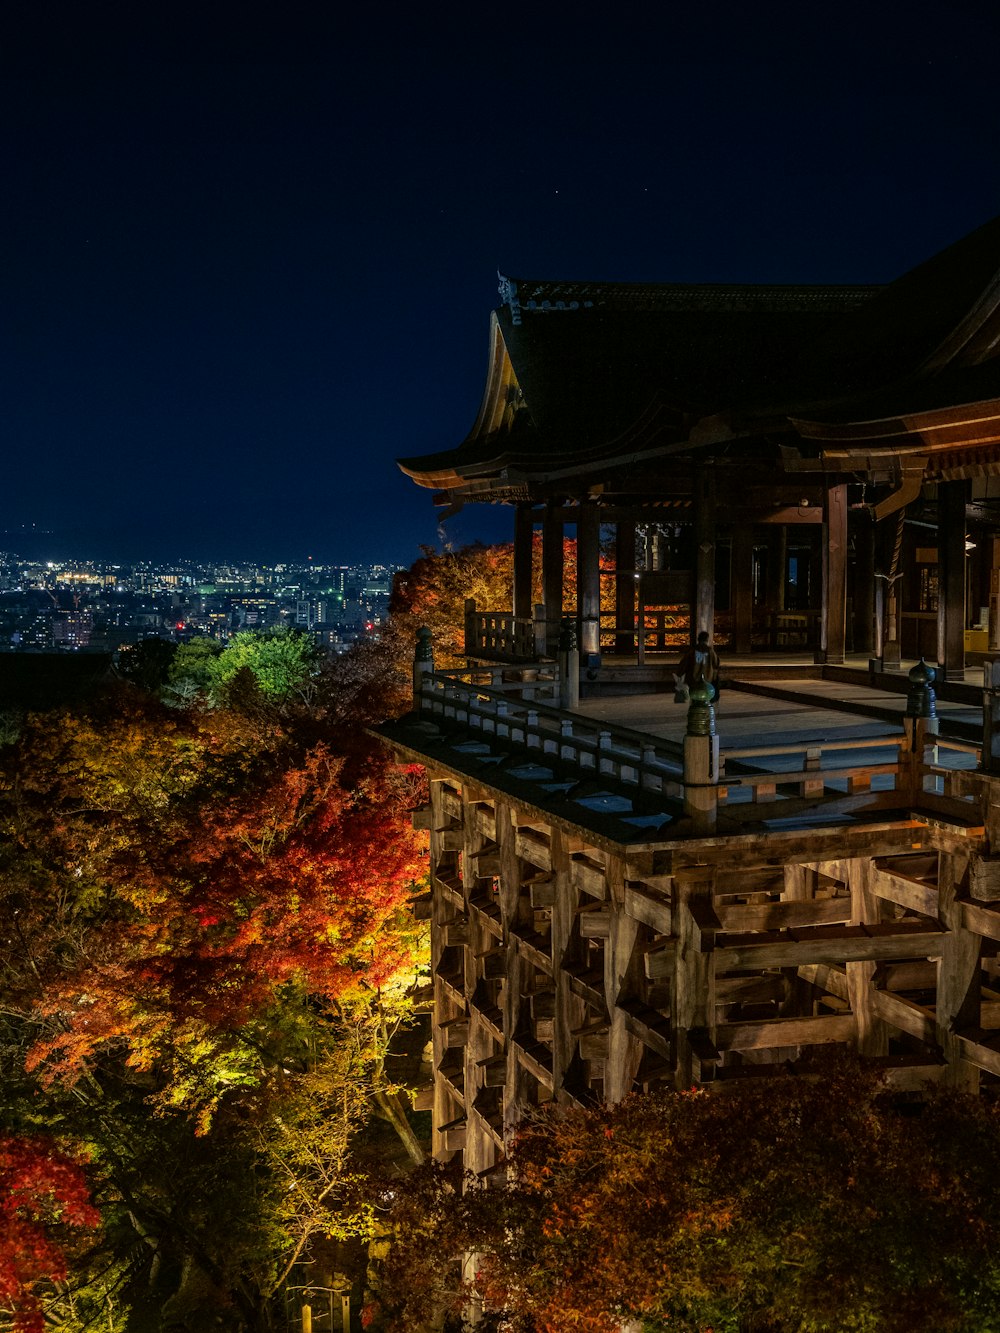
[508, 296]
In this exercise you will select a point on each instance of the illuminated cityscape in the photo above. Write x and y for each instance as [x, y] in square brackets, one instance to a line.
[101, 606]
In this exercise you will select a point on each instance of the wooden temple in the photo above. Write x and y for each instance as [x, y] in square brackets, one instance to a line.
[628, 892]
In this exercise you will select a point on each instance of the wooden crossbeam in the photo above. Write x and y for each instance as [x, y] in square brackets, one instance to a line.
[856, 944]
[771, 1032]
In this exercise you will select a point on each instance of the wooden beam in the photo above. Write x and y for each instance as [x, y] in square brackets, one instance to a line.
[912, 894]
[753, 1036]
[862, 946]
[782, 916]
[913, 1019]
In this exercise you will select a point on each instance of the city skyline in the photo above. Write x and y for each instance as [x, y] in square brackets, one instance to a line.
[250, 256]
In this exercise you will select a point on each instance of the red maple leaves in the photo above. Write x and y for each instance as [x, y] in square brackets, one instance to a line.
[43, 1194]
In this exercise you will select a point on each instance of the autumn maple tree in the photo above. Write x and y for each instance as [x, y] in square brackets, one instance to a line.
[205, 916]
[803, 1205]
[44, 1197]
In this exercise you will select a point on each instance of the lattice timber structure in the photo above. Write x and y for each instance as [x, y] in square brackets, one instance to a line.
[798, 473]
[603, 922]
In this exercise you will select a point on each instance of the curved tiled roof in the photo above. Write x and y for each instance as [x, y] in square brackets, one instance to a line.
[602, 368]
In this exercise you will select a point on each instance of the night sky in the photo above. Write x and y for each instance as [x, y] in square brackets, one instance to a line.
[249, 252]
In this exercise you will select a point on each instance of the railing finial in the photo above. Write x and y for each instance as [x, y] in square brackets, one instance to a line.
[701, 714]
[920, 699]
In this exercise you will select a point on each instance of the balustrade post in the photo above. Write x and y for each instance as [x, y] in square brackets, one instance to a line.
[701, 761]
[919, 724]
[813, 762]
[423, 663]
[566, 732]
[569, 665]
[531, 737]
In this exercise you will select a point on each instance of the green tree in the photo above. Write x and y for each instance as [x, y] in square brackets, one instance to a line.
[283, 662]
[190, 673]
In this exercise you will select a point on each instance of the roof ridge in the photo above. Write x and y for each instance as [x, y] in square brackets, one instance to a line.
[544, 295]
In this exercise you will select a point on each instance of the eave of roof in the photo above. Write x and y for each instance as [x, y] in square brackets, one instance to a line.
[585, 372]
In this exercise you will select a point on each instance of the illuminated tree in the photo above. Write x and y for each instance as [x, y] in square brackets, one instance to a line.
[804, 1205]
[283, 662]
[43, 1197]
[434, 590]
[204, 916]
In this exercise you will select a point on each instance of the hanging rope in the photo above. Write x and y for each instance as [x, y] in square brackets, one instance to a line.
[898, 548]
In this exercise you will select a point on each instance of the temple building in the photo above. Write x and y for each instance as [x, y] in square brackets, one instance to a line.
[629, 891]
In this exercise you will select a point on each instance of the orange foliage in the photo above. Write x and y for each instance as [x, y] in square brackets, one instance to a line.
[176, 871]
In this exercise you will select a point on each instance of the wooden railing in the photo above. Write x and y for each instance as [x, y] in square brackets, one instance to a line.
[755, 782]
[500, 635]
[613, 753]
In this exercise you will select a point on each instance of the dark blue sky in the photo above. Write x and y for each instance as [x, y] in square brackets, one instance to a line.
[249, 251]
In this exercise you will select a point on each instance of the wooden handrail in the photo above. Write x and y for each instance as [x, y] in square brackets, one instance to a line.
[634, 761]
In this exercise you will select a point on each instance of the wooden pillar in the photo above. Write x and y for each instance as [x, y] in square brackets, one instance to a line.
[692, 1012]
[480, 1149]
[703, 593]
[625, 585]
[515, 1099]
[523, 549]
[741, 586]
[777, 568]
[994, 639]
[588, 577]
[864, 582]
[440, 913]
[620, 983]
[799, 885]
[958, 989]
[952, 497]
[569, 1009]
[871, 1035]
[833, 620]
[552, 576]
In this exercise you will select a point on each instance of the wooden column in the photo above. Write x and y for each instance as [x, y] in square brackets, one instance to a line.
[625, 585]
[952, 497]
[552, 576]
[833, 620]
[692, 1017]
[777, 571]
[569, 1009]
[624, 1049]
[958, 989]
[515, 1096]
[994, 630]
[441, 912]
[871, 1033]
[741, 589]
[480, 1149]
[523, 548]
[588, 577]
[703, 593]
[864, 582]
